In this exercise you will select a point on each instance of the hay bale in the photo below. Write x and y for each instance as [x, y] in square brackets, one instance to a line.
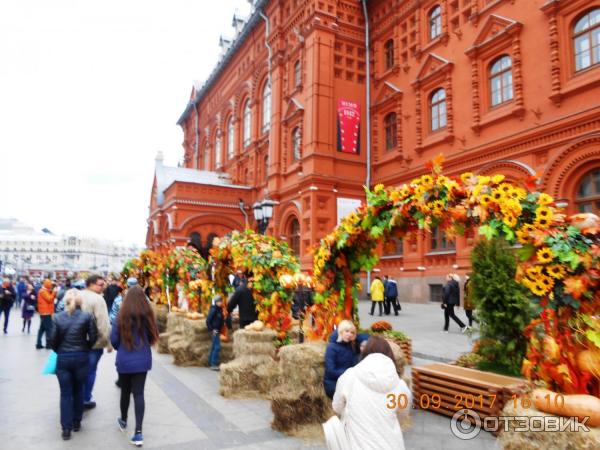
[398, 356]
[248, 377]
[161, 312]
[295, 409]
[543, 440]
[302, 365]
[188, 340]
[254, 343]
[163, 343]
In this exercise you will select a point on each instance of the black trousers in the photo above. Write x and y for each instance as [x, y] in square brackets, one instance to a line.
[391, 302]
[471, 317]
[373, 303]
[133, 383]
[449, 313]
[5, 308]
[45, 324]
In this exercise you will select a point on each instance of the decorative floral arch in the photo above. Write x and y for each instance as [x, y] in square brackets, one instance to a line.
[559, 260]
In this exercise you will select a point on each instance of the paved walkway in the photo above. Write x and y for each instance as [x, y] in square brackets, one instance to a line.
[183, 408]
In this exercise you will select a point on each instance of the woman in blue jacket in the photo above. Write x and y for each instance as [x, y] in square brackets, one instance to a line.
[133, 334]
[341, 354]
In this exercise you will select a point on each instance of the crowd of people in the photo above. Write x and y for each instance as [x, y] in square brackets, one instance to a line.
[79, 321]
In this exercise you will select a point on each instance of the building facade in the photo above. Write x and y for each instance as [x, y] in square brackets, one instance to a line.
[497, 86]
[24, 250]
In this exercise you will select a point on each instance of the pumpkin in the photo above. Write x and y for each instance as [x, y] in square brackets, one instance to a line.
[576, 405]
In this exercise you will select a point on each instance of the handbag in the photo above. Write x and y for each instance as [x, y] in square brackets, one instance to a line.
[335, 434]
[50, 367]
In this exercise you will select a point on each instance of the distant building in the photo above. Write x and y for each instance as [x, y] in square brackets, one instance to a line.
[25, 250]
[507, 87]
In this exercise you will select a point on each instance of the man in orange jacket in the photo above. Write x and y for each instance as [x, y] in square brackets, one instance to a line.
[46, 298]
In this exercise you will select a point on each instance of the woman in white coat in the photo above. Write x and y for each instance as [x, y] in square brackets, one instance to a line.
[370, 398]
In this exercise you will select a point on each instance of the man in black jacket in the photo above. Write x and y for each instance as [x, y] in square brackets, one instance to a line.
[7, 298]
[450, 299]
[243, 299]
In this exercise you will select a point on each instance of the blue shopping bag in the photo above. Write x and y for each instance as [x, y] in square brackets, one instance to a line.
[50, 367]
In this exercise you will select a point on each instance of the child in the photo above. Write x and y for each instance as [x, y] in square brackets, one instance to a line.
[214, 323]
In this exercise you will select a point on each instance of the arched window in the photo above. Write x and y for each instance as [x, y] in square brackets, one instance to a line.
[435, 22]
[266, 107]
[294, 233]
[297, 74]
[588, 193]
[205, 159]
[586, 40]
[247, 123]
[230, 139]
[389, 54]
[391, 139]
[266, 168]
[218, 159]
[296, 144]
[437, 108]
[501, 81]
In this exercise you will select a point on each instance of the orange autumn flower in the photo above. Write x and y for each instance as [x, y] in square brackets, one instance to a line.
[576, 286]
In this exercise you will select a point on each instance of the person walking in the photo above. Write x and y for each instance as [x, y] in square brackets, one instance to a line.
[7, 298]
[112, 292]
[469, 305]
[72, 336]
[21, 290]
[132, 336]
[28, 308]
[242, 299]
[214, 323]
[45, 303]
[116, 305]
[377, 295]
[450, 299]
[391, 296]
[94, 303]
[363, 400]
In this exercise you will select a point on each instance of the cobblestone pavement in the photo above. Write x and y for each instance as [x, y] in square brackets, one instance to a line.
[183, 408]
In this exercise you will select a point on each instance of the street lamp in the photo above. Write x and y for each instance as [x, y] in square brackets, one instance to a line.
[263, 213]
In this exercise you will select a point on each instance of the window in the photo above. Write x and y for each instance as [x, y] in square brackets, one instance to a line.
[437, 108]
[391, 135]
[266, 168]
[393, 247]
[247, 123]
[266, 107]
[435, 292]
[586, 40]
[389, 54]
[218, 151]
[296, 144]
[230, 138]
[435, 22]
[439, 242]
[294, 231]
[588, 193]
[501, 81]
[205, 159]
[297, 74]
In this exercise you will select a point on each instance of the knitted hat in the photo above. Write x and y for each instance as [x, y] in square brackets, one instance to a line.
[47, 283]
[132, 281]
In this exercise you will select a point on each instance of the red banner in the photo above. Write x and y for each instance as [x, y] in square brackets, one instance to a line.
[348, 127]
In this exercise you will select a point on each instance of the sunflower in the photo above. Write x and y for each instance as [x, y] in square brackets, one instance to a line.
[485, 200]
[556, 271]
[466, 176]
[545, 199]
[528, 228]
[510, 221]
[545, 255]
[544, 212]
[394, 196]
[426, 179]
[542, 223]
[538, 289]
[518, 194]
[497, 195]
[547, 281]
[533, 272]
[524, 238]
[506, 188]
[498, 178]
[484, 180]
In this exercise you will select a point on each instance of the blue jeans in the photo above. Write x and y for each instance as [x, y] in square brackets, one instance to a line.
[94, 357]
[71, 371]
[213, 357]
[45, 326]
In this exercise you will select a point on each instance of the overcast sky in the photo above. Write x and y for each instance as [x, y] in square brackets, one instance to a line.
[90, 90]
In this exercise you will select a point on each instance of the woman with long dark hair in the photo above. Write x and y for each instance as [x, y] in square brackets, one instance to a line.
[133, 334]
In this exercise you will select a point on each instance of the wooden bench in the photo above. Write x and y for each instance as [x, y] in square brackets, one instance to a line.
[446, 389]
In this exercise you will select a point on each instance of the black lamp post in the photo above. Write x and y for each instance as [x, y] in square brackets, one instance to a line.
[263, 213]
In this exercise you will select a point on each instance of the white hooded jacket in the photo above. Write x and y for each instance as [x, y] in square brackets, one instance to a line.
[369, 413]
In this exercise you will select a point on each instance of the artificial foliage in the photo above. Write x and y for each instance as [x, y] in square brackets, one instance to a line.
[501, 303]
[559, 264]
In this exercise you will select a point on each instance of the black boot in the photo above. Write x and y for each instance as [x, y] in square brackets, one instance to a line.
[66, 435]
[76, 426]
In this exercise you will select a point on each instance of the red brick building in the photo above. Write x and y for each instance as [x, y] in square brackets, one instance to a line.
[498, 86]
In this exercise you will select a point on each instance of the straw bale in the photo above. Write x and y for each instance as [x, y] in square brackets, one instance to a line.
[248, 376]
[163, 343]
[398, 356]
[302, 365]
[544, 440]
[161, 312]
[295, 409]
[248, 342]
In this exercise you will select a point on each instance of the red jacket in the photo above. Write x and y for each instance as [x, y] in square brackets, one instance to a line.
[46, 302]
